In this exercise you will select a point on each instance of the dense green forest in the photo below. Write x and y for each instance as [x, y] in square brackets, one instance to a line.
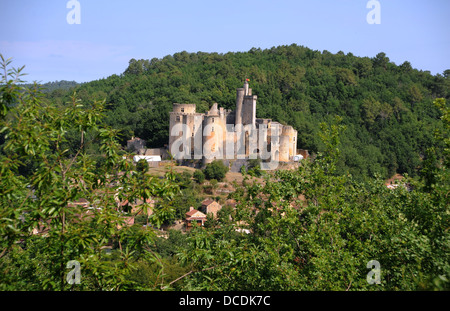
[54, 86]
[387, 108]
[311, 228]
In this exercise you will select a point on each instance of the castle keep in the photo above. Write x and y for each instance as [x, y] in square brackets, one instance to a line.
[226, 134]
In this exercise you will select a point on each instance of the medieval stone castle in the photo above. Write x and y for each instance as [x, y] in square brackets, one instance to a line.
[226, 134]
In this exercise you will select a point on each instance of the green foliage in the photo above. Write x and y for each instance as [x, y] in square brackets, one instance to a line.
[199, 176]
[142, 166]
[42, 199]
[58, 88]
[254, 167]
[170, 245]
[187, 198]
[243, 170]
[184, 179]
[215, 170]
[9, 89]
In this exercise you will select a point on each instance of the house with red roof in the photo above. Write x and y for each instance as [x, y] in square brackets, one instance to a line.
[194, 216]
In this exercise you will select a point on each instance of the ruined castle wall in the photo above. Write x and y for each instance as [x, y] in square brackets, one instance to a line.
[284, 148]
[183, 108]
[239, 102]
[184, 114]
[249, 110]
[211, 137]
[294, 144]
[291, 133]
[230, 117]
[174, 118]
[222, 122]
[264, 147]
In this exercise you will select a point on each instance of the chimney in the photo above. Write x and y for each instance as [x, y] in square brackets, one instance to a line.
[191, 208]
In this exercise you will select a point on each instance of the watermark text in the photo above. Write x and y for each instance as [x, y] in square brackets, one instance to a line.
[74, 275]
[374, 16]
[74, 15]
[374, 275]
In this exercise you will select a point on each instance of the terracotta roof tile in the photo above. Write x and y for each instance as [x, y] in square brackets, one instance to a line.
[207, 202]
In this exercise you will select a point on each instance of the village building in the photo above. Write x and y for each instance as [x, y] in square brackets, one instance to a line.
[135, 143]
[152, 160]
[153, 156]
[210, 206]
[194, 216]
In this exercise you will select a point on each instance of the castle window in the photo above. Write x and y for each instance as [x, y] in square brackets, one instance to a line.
[178, 119]
[182, 109]
[212, 120]
[212, 130]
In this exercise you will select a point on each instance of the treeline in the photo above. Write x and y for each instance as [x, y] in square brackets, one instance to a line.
[49, 87]
[387, 108]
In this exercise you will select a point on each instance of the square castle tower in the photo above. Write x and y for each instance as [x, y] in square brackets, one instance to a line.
[226, 134]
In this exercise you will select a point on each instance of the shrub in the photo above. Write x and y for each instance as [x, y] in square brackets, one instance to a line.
[215, 170]
[254, 167]
[199, 176]
[142, 166]
[183, 179]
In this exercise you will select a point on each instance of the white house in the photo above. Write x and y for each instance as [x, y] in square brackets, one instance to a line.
[298, 157]
[153, 158]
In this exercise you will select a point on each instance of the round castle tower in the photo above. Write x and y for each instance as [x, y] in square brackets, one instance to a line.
[288, 143]
[214, 130]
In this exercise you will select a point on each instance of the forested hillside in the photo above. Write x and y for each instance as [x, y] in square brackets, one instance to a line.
[66, 222]
[387, 109]
[55, 86]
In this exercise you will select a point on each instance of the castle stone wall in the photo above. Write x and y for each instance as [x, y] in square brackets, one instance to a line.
[208, 131]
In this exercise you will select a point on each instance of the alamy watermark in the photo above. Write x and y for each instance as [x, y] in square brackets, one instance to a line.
[374, 275]
[374, 16]
[236, 142]
[74, 15]
[74, 275]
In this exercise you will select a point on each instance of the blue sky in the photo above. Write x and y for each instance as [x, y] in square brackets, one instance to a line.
[111, 32]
